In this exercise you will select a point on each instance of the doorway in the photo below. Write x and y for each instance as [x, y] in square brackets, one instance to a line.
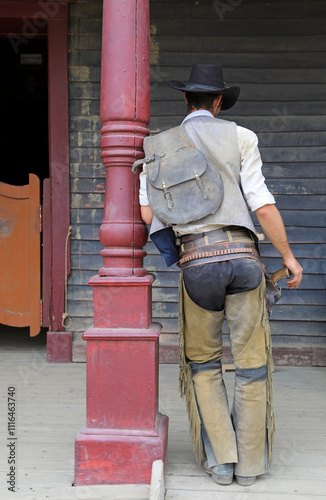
[23, 112]
[34, 137]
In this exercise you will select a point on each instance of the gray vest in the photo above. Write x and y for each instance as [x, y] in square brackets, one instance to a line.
[218, 141]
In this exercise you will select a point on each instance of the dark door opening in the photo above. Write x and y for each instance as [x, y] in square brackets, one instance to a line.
[23, 111]
[24, 146]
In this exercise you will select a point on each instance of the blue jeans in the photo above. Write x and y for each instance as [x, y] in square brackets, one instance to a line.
[208, 284]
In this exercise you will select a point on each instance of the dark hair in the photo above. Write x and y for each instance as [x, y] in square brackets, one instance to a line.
[200, 100]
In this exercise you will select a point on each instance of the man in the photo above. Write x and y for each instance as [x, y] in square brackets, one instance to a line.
[222, 276]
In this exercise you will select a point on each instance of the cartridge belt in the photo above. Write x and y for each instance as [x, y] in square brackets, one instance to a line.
[225, 234]
[218, 252]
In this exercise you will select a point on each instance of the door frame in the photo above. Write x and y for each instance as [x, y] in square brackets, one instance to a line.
[54, 16]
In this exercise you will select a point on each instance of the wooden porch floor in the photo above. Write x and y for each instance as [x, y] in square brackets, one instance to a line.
[50, 411]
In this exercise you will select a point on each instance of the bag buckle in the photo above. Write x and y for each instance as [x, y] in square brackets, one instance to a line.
[168, 196]
[201, 185]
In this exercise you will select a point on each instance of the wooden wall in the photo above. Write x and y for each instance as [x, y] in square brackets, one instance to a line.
[87, 175]
[276, 52]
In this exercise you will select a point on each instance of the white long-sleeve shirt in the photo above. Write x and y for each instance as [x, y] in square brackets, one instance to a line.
[251, 178]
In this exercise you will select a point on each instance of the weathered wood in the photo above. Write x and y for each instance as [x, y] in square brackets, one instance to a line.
[243, 108]
[52, 409]
[77, 106]
[282, 80]
[255, 59]
[306, 202]
[204, 10]
[87, 170]
[294, 170]
[86, 200]
[255, 123]
[85, 247]
[208, 27]
[157, 489]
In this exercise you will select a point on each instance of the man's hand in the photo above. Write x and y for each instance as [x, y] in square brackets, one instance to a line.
[296, 270]
[271, 223]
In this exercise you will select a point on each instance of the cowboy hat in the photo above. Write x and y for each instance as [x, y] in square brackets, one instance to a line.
[208, 78]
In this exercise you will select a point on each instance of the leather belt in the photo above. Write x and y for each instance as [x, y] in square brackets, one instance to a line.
[219, 252]
[225, 234]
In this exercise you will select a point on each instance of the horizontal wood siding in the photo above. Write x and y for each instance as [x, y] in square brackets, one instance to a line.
[87, 174]
[275, 51]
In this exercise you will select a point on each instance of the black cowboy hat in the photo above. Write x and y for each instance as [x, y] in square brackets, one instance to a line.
[208, 78]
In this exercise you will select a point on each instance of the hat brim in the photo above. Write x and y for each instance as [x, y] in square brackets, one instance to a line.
[230, 94]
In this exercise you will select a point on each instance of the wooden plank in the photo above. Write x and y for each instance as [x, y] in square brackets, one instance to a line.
[294, 170]
[245, 75]
[85, 247]
[297, 328]
[85, 232]
[173, 494]
[299, 250]
[255, 59]
[165, 294]
[80, 308]
[308, 313]
[80, 292]
[87, 200]
[84, 57]
[80, 277]
[300, 218]
[82, 106]
[84, 90]
[303, 297]
[290, 331]
[86, 216]
[280, 312]
[87, 185]
[80, 324]
[306, 202]
[85, 139]
[276, 138]
[87, 170]
[250, 91]
[243, 108]
[294, 154]
[157, 487]
[208, 27]
[254, 123]
[312, 266]
[96, 492]
[262, 485]
[293, 297]
[204, 10]
[185, 42]
[86, 261]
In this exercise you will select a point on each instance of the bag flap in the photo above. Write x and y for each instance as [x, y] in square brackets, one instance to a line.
[177, 168]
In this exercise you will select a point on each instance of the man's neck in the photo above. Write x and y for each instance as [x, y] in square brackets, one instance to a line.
[197, 109]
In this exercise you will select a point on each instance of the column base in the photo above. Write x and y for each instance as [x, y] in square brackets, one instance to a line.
[59, 347]
[109, 456]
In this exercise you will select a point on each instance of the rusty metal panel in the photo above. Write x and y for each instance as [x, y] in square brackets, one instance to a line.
[20, 255]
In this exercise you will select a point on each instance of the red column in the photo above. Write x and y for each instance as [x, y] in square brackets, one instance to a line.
[124, 431]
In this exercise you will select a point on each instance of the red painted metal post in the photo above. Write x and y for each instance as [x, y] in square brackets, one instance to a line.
[124, 431]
